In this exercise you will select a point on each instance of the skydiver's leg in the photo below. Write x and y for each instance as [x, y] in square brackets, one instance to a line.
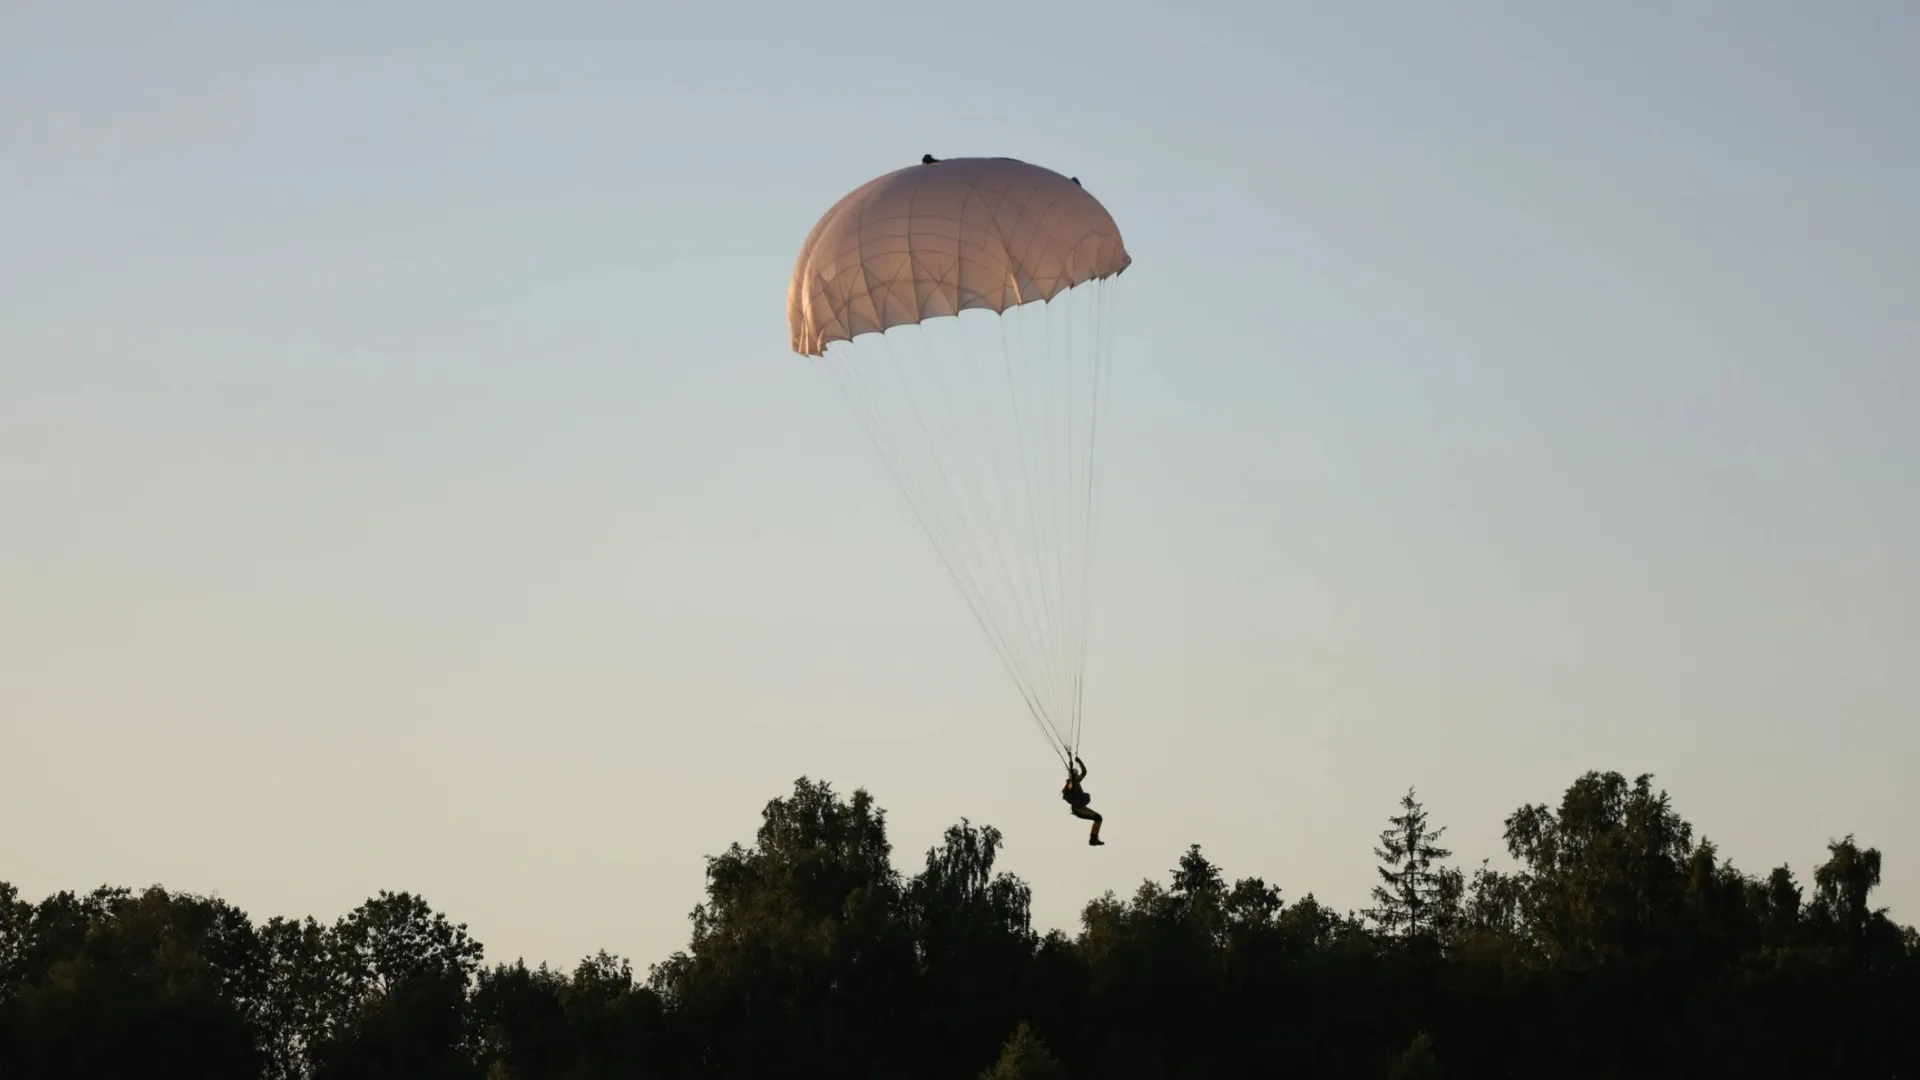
[1089, 814]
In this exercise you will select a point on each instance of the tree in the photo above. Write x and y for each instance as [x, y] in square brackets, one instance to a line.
[399, 975]
[16, 922]
[973, 936]
[1410, 888]
[306, 1004]
[1417, 1062]
[524, 1026]
[958, 906]
[151, 985]
[1025, 1057]
[1618, 946]
[1779, 902]
[800, 952]
[1841, 887]
[1606, 875]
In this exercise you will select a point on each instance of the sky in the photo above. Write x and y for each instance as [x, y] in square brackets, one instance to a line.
[405, 482]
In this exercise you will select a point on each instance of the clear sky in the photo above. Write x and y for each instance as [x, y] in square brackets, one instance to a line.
[405, 482]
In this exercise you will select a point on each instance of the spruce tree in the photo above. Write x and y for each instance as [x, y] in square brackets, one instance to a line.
[1409, 882]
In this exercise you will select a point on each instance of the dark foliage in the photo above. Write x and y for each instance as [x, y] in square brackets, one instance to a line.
[1618, 945]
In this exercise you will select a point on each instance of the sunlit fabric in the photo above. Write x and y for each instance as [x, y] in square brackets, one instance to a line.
[932, 240]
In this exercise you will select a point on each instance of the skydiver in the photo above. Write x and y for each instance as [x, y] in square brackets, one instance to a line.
[1077, 797]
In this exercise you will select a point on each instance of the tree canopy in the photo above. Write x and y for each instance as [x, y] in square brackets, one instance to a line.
[1618, 944]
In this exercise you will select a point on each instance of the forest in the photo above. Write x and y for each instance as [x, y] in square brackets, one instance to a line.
[1618, 944]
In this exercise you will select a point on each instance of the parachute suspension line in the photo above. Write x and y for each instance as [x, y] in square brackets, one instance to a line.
[921, 477]
[1029, 448]
[860, 397]
[1021, 563]
[1061, 461]
[1075, 484]
[1090, 512]
[1055, 372]
[1058, 458]
[1090, 519]
[967, 566]
[1070, 535]
[962, 567]
[1035, 633]
[1069, 390]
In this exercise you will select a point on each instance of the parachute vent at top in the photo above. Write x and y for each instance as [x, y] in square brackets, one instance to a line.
[945, 237]
[989, 422]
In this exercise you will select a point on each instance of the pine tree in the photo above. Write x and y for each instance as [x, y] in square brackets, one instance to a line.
[1410, 885]
[1025, 1057]
[1417, 1062]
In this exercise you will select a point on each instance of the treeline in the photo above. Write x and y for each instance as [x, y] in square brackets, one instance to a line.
[1619, 946]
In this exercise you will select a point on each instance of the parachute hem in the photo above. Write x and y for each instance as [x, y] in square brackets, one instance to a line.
[818, 347]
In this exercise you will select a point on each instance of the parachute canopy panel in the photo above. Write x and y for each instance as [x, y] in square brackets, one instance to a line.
[942, 238]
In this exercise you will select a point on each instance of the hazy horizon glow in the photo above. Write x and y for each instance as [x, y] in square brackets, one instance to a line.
[405, 482]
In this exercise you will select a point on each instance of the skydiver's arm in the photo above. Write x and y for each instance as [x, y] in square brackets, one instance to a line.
[1083, 767]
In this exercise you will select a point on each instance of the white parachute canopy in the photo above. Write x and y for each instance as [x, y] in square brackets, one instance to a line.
[963, 309]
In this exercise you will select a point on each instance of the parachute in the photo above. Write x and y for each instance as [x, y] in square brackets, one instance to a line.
[963, 310]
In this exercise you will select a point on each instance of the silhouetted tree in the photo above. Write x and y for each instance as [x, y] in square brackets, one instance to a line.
[306, 1004]
[1418, 1062]
[1617, 945]
[1841, 886]
[1025, 1057]
[1778, 902]
[400, 976]
[525, 1031]
[115, 983]
[974, 941]
[1605, 875]
[801, 951]
[1411, 889]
